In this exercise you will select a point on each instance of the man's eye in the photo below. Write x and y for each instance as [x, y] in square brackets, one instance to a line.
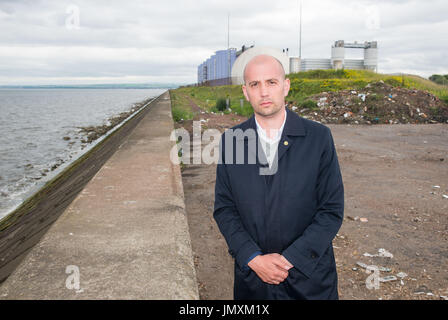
[272, 82]
[253, 84]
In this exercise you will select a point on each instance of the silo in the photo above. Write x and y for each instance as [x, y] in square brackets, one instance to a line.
[232, 61]
[294, 64]
[371, 56]
[214, 67]
[247, 55]
[338, 55]
[229, 57]
[221, 64]
[209, 67]
[203, 70]
[220, 60]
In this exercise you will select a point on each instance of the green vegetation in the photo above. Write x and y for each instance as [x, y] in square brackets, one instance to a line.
[221, 104]
[180, 107]
[439, 79]
[309, 104]
[207, 98]
[303, 85]
[420, 83]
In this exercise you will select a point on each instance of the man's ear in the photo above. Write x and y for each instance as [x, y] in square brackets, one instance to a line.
[286, 87]
[245, 92]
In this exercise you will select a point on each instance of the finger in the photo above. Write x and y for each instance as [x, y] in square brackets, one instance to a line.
[289, 264]
[282, 271]
[282, 264]
[281, 276]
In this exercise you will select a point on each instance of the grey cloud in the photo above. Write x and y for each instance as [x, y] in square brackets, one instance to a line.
[187, 32]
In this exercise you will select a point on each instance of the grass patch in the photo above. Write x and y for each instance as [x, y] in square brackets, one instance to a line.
[180, 107]
[304, 85]
[212, 99]
[309, 104]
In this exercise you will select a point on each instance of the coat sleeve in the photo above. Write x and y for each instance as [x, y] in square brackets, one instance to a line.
[304, 253]
[240, 243]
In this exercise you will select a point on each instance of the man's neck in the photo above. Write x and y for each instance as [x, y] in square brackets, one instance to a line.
[271, 124]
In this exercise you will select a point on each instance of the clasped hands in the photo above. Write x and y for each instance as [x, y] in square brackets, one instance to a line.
[272, 268]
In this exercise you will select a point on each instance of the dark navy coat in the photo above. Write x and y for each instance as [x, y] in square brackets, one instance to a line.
[295, 212]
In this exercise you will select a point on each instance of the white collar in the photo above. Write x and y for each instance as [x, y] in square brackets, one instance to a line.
[263, 135]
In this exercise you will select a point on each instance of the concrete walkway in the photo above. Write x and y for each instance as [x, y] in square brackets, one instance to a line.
[125, 236]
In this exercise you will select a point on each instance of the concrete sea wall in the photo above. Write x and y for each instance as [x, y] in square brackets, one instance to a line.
[124, 236]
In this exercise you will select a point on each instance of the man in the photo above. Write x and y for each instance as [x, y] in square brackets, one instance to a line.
[279, 214]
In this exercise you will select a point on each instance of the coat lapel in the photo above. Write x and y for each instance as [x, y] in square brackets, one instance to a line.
[293, 128]
[253, 145]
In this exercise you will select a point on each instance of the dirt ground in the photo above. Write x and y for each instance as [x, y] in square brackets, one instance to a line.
[395, 178]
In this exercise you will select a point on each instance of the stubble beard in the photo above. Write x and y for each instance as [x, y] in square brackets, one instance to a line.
[268, 113]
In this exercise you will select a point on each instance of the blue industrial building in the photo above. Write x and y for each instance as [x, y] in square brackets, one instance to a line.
[217, 67]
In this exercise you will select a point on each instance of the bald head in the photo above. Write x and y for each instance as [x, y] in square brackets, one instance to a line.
[265, 86]
[261, 60]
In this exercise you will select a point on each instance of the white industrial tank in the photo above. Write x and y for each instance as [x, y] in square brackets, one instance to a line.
[371, 58]
[337, 57]
[246, 56]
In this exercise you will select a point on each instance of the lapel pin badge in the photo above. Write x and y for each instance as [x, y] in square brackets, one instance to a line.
[285, 143]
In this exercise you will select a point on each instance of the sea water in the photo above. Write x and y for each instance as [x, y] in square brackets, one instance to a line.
[33, 124]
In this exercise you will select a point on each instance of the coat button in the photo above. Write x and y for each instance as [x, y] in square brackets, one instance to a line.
[313, 255]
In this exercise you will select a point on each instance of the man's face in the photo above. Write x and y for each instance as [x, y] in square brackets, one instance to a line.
[265, 86]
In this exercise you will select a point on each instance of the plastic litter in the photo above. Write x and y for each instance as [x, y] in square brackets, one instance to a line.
[388, 278]
[381, 253]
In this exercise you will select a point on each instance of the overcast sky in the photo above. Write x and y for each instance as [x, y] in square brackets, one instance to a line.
[136, 41]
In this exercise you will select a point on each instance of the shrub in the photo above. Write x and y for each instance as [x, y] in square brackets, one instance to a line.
[310, 104]
[179, 114]
[393, 82]
[221, 104]
[444, 99]
[439, 79]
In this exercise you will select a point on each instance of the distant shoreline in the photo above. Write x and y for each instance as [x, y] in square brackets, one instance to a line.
[95, 86]
[83, 137]
[23, 227]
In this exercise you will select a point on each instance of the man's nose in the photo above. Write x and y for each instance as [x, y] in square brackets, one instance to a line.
[264, 90]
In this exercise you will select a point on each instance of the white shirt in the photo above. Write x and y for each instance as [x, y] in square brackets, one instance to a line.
[270, 145]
